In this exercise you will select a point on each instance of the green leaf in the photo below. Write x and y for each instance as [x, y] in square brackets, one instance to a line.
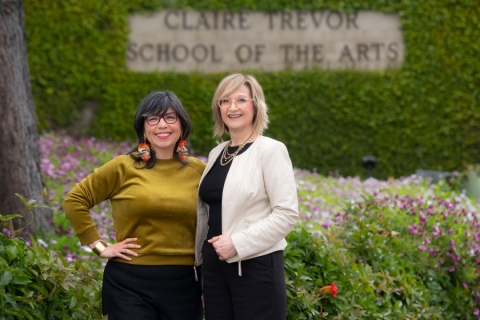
[15, 313]
[26, 314]
[73, 302]
[10, 300]
[12, 252]
[3, 263]
[10, 216]
[5, 278]
[25, 202]
[320, 283]
[20, 279]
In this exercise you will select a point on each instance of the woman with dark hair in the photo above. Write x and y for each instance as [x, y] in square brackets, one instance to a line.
[151, 271]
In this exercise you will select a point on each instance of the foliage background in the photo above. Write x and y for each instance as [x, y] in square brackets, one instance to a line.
[397, 249]
[424, 115]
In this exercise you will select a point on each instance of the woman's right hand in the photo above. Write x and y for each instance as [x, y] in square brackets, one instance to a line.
[119, 249]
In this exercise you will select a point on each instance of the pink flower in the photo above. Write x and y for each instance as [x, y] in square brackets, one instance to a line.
[452, 245]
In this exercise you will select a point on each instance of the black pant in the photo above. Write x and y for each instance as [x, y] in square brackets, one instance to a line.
[151, 292]
[260, 293]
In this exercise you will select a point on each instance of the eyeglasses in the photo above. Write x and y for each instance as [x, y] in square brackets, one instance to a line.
[240, 102]
[153, 120]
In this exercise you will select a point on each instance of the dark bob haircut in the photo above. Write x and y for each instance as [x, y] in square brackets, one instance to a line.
[157, 103]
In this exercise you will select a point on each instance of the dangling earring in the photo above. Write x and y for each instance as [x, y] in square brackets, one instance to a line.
[144, 150]
[182, 149]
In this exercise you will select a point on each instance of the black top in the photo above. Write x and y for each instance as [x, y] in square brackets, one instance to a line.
[211, 191]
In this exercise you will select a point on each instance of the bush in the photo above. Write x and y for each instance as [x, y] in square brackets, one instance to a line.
[391, 255]
[365, 290]
[368, 237]
[40, 284]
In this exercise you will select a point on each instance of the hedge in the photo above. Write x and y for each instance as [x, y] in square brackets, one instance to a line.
[424, 115]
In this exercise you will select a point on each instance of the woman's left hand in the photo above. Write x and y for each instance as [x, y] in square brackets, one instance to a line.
[223, 246]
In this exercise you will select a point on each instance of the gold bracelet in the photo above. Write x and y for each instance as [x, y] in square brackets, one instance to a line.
[99, 247]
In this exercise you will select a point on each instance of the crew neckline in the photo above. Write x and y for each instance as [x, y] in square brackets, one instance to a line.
[167, 161]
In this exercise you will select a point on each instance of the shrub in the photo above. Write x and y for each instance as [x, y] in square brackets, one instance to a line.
[392, 254]
[365, 290]
[40, 284]
[364, 236]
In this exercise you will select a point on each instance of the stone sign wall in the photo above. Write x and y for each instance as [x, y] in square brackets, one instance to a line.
[186, 40]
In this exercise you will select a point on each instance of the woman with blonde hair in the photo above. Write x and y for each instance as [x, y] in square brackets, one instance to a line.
[247, 204]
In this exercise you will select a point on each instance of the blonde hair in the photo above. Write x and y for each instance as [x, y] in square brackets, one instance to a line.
[229, 85]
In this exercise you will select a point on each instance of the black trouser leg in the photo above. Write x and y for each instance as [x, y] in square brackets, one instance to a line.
[259, 294]
[150, 292]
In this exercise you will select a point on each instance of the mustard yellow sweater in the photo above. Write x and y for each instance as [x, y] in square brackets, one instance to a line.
[157, 206]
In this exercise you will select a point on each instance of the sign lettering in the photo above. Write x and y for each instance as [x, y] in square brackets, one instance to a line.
[214, 41]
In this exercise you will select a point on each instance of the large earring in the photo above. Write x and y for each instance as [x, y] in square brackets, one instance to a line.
[182, 148]
[144, 150]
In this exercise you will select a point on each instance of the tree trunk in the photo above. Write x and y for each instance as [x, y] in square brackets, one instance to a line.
[19, 157]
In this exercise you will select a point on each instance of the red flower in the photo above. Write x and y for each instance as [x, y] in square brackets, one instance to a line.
[330, 290]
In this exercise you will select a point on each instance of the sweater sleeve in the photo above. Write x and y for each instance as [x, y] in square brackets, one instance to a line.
[281, 188]
[97, 187]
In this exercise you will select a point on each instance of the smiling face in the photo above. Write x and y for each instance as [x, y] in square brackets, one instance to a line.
[239, 120]
[163, 136]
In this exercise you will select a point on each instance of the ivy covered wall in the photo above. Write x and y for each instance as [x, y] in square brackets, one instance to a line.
[424, 115]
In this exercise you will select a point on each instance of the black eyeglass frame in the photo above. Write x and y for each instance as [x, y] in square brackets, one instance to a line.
[145, 116]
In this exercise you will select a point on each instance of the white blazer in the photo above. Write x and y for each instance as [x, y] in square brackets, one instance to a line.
[259, 204]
